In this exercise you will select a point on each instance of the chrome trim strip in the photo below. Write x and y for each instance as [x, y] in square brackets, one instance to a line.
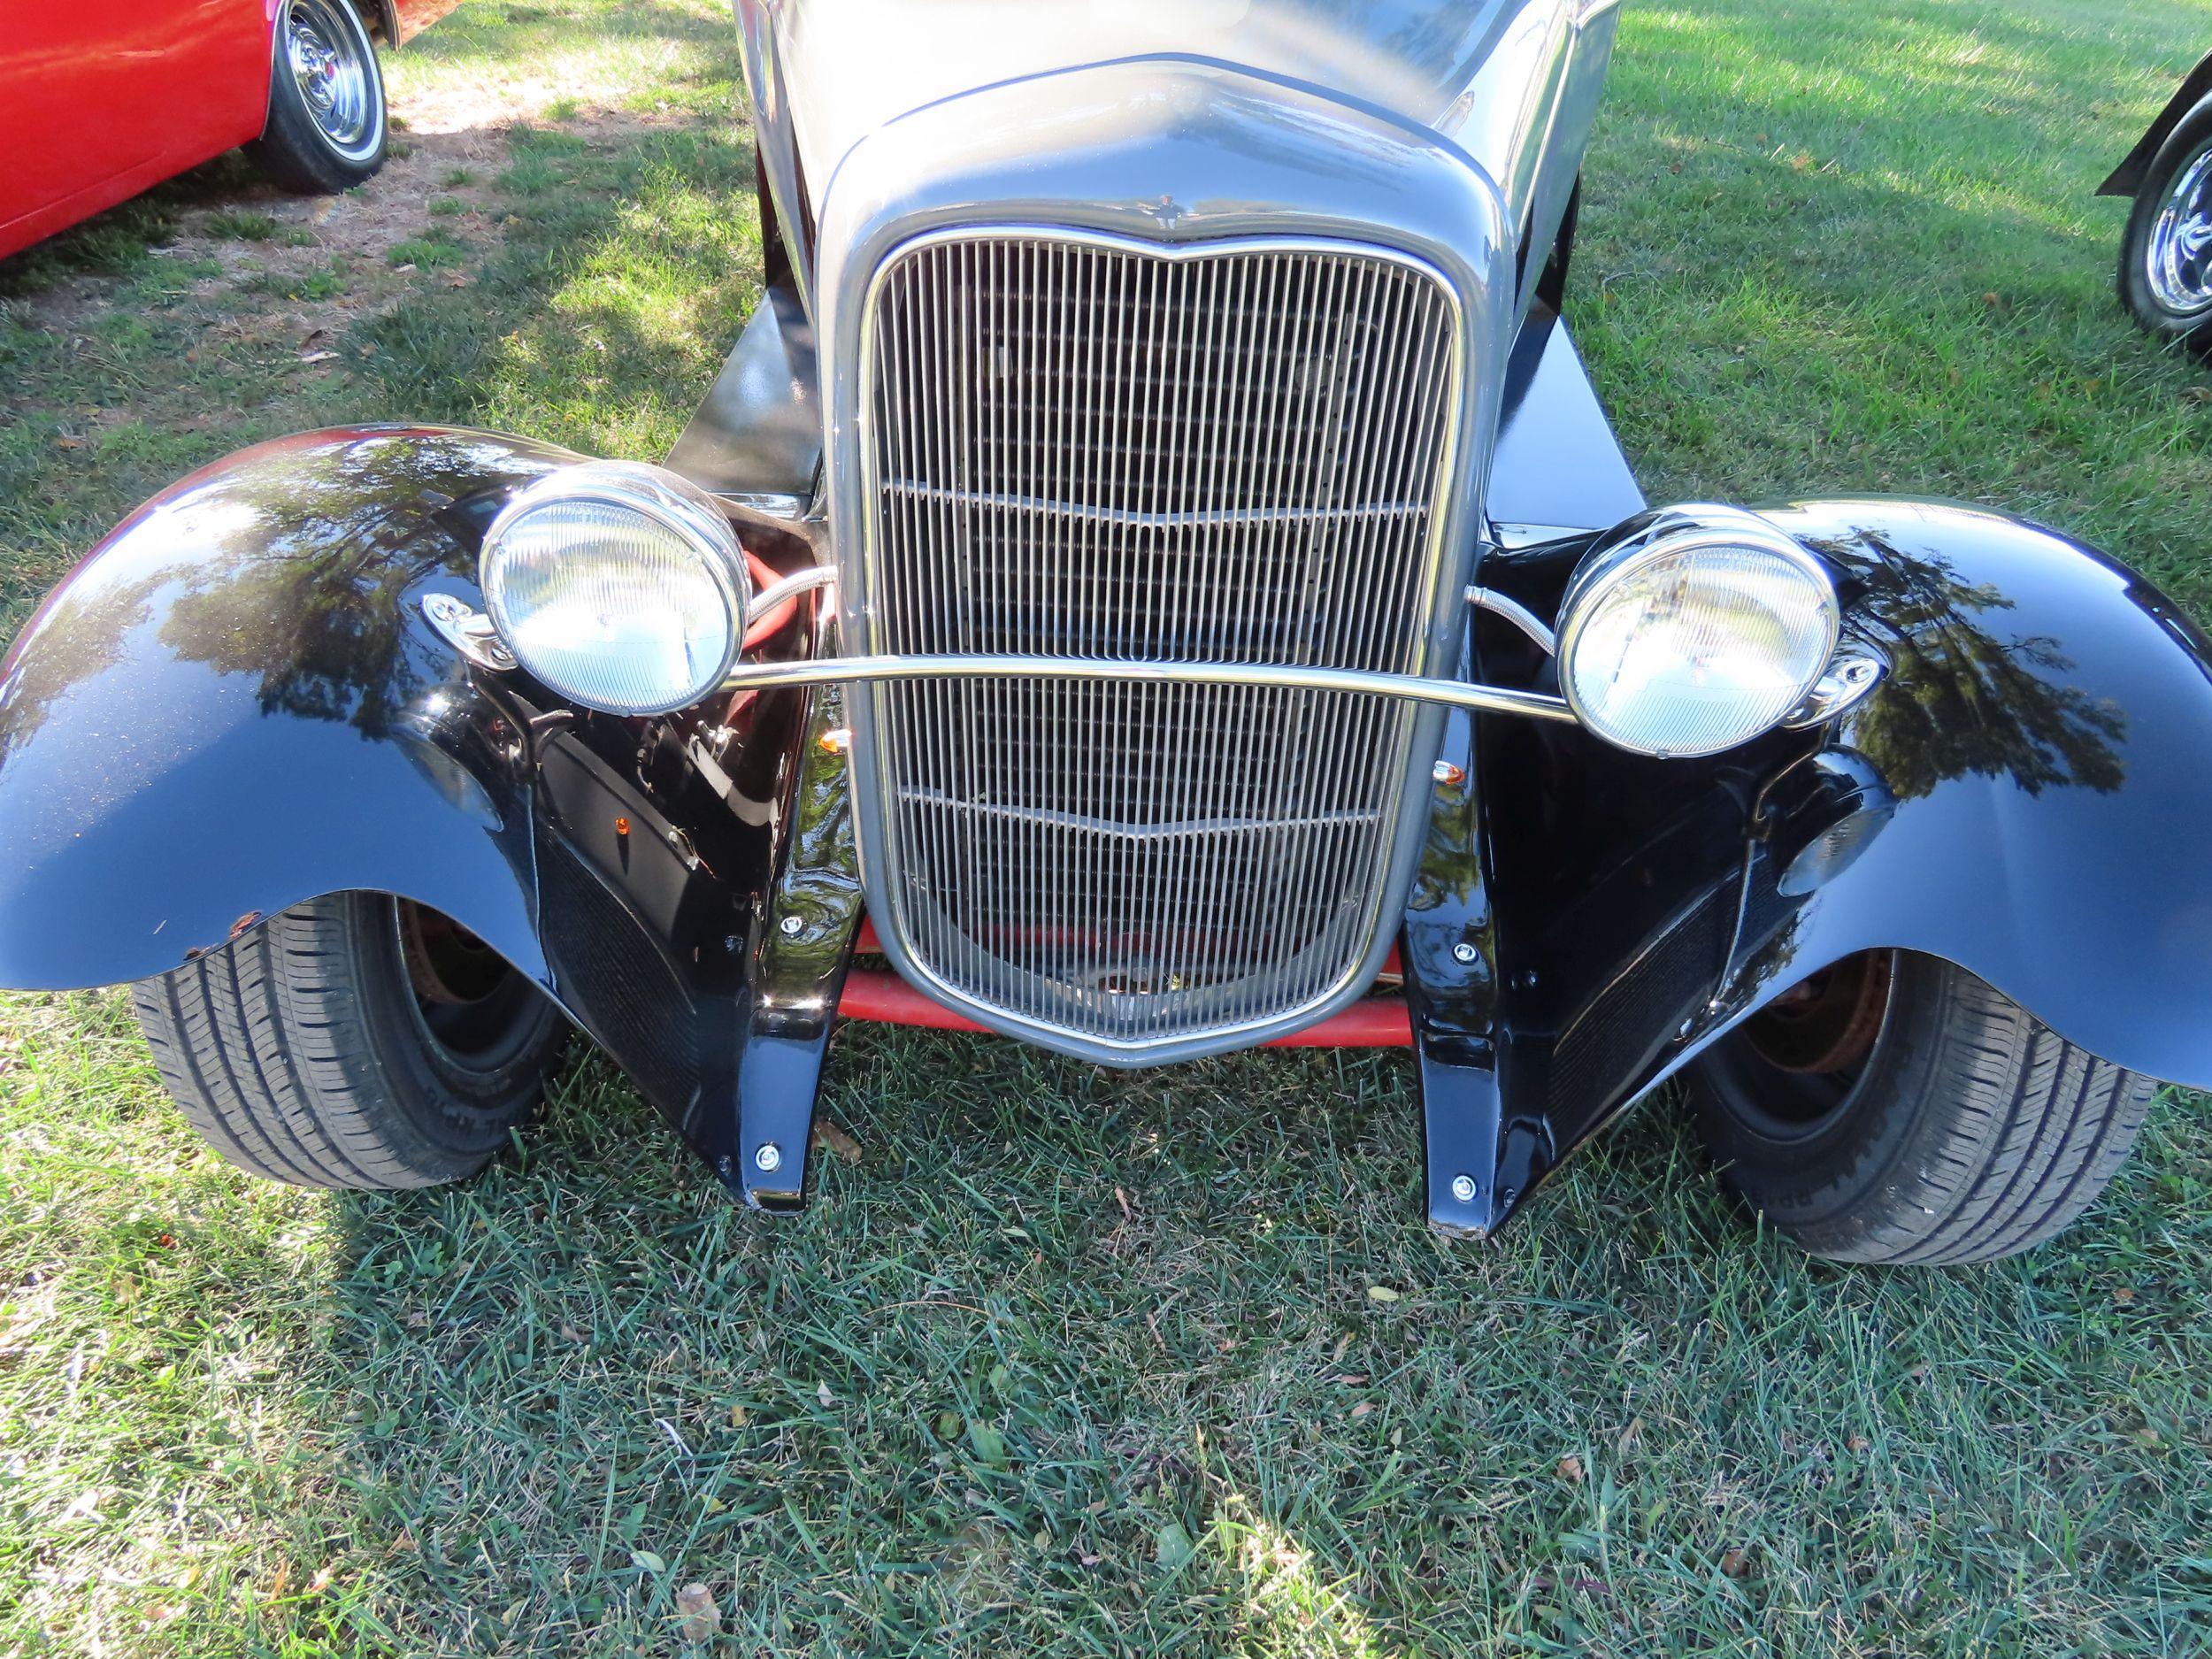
[1450, 694]
[1124, 519]
[768, 598]
[1518, 614]
[1122, 831]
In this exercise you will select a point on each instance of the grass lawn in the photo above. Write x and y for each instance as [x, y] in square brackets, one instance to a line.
[1075, 1361]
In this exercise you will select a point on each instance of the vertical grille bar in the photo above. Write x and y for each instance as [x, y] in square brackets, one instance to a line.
[1081, 448]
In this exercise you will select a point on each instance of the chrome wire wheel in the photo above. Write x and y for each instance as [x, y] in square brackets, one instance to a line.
[2178, 253]
[322, 44]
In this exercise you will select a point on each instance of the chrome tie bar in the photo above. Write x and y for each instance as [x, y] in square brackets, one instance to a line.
[1450, 693]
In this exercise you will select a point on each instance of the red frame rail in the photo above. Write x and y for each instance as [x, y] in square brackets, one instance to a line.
[882, 997]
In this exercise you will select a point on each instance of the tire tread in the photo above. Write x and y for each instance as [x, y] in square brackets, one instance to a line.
[265, 1044]
[2013, 1133]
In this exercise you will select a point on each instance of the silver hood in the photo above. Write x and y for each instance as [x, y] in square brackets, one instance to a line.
[1471, 71]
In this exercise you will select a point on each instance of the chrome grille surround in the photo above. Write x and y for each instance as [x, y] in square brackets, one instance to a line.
[1075, 444]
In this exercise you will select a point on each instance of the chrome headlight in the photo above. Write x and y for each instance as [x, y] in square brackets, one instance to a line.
[1696, 630]
[620, 585]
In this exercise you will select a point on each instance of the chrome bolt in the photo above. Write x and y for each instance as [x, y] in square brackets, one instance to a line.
[769, 1158]
[1463, 1188]
[791, 926]
[1464, 953]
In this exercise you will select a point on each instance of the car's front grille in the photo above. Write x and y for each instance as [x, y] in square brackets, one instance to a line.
[1082, 448]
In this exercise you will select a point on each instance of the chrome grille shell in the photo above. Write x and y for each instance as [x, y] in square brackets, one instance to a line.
[1074, 443]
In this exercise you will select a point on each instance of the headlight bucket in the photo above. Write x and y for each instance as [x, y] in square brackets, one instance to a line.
[620, 586]
[1694, 629]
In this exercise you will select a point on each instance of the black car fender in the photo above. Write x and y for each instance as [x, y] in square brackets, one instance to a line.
[2127, 178]
[2041, 743]
[234, 704]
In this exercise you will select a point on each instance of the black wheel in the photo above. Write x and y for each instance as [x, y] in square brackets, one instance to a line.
[354, 1042]
[1895, 1109]
[326, 127]
[2166, 260]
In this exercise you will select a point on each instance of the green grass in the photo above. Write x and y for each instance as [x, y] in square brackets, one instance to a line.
[1079, 1362]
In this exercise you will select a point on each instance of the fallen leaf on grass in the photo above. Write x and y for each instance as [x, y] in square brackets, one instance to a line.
[1571, 1469]
[822, 1392]
[1381, 1293]
[317, 356]
[1736, 1563]
[699, 1618]
[830, 1138]
[987, 1442]
[1171, 1546]
[646, 1560]
[1858, 1443]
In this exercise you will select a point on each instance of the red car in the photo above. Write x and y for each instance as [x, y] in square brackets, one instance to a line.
[101, 98]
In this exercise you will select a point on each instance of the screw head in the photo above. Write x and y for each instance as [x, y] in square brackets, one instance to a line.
[1463, 1188]
[791, 925]
[1464, 953]
[769, 1158]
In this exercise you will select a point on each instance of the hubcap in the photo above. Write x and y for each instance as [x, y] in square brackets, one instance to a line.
[326, 56]
[2178, 261]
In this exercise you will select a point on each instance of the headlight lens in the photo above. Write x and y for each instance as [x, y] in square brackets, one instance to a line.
[621, 587]
[1698, 630]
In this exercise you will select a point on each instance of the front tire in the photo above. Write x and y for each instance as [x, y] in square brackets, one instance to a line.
[2166, 257]
[1896, 1109]
[326, 127]
[356, 1042]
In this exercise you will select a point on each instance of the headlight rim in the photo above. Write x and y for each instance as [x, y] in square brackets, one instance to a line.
[1668, 533]
[655, 493]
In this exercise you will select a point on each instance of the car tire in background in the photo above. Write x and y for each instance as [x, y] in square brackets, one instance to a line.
[2166, 258]
[1894, 1108]
[355, 1042]
[327, 129]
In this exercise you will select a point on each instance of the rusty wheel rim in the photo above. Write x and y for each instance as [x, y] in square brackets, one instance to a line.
[1798, 1062]
[474, 1010]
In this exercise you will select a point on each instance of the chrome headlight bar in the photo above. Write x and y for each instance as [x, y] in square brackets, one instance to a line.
[1685, 632]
